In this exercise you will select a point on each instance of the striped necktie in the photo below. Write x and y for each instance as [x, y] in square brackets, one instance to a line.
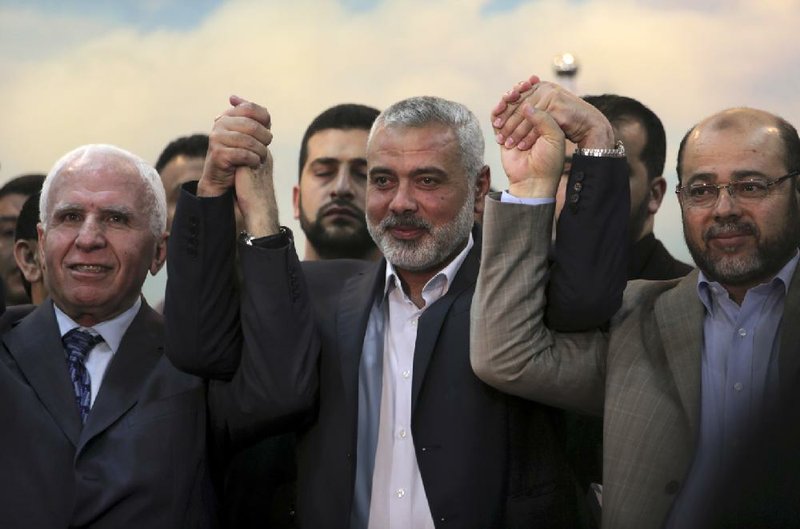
[77, 344]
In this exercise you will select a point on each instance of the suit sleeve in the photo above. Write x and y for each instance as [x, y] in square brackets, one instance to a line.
[592, 247]
[510, 346]
[259, 346]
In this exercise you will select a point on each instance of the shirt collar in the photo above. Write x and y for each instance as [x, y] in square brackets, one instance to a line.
[708, 289]
[111, 330]
[446, 274]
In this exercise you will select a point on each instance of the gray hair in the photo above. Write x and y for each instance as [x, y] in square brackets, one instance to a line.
[424, 110]
[155, 196]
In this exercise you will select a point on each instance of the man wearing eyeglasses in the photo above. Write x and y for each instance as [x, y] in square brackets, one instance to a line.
[697, 379]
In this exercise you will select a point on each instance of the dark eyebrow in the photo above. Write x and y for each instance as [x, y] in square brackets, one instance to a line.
[428, 171]
[324, 161]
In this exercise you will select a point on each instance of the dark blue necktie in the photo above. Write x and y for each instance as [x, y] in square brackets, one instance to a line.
[77, 344]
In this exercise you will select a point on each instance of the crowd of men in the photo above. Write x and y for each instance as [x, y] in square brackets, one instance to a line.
[444, 356]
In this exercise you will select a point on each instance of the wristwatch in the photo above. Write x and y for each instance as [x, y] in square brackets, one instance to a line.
[283, 237]
[617, 152]
[246, 238]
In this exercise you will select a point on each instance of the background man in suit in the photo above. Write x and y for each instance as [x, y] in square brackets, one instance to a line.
[689, 368]
[181, 161]
[403, 434]
[12, 195]
[646, 148]
[331, 189]
[102, 431]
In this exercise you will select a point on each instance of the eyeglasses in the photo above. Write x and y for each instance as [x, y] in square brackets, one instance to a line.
[706, 195]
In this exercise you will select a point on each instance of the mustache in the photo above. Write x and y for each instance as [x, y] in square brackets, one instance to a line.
[343, 204]
[405, 220]
[730, 228]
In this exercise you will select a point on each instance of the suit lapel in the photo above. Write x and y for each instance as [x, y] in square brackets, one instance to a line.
[141, 348]
[789, 353]
[36, 346]
[434, 316]
[679, 314]
[355, 304]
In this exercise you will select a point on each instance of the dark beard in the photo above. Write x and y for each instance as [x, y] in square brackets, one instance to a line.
[357, 245]
[639, 218]
[771, 254]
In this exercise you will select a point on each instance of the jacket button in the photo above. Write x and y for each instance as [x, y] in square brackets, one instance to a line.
[578, 175]
[577, 187]
[574, 198]
[672, 487]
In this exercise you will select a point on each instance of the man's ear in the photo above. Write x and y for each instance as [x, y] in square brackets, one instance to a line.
[27, 257]
[656, 190]
[296, 201]
[160, 255]
[482, 186]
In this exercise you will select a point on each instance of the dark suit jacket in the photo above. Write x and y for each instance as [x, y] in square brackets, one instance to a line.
[487, 459]
[650, 260]
[142, 459]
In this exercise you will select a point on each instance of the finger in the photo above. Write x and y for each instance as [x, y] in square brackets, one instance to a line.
[510, 101]
[241, 149]
[244, 108]
[246, 126]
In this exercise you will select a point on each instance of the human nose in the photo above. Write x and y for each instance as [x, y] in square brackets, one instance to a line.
[90, 235]
[343, 185]
[726, 205]
[403, 200]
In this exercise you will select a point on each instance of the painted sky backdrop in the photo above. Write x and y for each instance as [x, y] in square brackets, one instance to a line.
[138, 73]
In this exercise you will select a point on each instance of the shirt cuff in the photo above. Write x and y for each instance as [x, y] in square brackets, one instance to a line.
[509, 198]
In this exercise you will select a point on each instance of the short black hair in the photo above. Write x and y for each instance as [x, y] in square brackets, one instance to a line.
[345, 116]
[28, 219]
[786, 131]
[194, 146]
[27, 184]
[621, 108]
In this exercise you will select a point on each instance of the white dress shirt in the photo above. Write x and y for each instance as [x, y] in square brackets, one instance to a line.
[398, 495]
[100, 356]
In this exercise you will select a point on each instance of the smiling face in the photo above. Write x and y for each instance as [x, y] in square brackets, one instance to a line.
[737, 242]
[98, 244]
[420, 202]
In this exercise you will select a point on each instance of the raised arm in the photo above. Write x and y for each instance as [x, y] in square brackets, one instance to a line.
[589, 262]
[258, 342]
[511, 348]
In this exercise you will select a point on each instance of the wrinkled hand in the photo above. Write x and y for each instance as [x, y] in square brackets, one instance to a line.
[535, 171]
[239, 157]
[582, 123]
[240, 138]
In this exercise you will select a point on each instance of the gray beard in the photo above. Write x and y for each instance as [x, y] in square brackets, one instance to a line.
[430, 250]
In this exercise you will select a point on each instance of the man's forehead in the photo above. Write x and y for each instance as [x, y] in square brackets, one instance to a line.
[431, 137]
[334, 143]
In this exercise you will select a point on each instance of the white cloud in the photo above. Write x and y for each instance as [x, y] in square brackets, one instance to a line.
[68, 81]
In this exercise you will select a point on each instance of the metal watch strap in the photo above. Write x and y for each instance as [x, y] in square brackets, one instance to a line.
[617, 152]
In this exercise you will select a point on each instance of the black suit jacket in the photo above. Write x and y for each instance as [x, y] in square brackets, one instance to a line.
[650, 260]
[142, 459]
[486, 459]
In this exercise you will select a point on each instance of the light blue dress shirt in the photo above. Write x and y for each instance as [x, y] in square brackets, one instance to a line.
[739, 381]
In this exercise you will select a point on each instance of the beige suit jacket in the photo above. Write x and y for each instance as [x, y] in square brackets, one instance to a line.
[642, 375]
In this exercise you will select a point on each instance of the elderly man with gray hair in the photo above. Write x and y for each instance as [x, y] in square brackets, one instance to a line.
[402, 433]
[100, 430]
